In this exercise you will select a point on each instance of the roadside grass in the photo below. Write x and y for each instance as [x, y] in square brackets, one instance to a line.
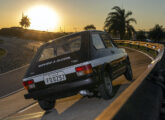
[149, 51]
[2, 52]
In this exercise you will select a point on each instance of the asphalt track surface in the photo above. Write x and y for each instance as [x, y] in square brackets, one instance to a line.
[11, 81]
[75, 107]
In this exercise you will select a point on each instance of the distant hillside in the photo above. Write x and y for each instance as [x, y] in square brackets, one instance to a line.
[30, 34]
[21, 45]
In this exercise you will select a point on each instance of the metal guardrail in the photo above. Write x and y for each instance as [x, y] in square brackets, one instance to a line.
[119, 105]
[154, 46]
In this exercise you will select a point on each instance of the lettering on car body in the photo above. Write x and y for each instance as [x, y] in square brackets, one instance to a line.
[54, 61]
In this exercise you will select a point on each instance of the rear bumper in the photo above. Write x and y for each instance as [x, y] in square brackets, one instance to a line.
[63, 90]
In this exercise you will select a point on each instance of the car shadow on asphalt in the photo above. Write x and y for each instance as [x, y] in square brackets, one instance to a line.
[84, 109]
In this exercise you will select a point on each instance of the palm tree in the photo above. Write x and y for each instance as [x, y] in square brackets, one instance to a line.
[156, 33]
[90, 27]
[25, 21]
[119, 22]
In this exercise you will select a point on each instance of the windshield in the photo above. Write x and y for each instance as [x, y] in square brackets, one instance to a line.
[61, 47]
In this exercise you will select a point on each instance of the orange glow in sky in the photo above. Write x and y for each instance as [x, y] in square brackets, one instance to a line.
[43, 18]
[73, 15]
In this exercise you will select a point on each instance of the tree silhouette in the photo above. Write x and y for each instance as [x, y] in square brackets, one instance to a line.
[141, 35]
[90, 27]
[156, 33]
[119, 22]
[25, 21]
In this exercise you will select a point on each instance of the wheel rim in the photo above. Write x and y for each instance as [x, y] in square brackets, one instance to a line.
[108, 83]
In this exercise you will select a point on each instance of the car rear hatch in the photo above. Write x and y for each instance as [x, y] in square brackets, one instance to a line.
[57, 61]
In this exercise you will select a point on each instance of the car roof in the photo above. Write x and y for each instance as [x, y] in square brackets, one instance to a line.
[89, 31]
[78, 33]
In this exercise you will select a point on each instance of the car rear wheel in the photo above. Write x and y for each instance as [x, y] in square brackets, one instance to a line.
[106, 88]
[47, 104]
[128, 74]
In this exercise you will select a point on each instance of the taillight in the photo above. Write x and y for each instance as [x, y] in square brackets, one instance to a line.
[84, 70]
[29, 84]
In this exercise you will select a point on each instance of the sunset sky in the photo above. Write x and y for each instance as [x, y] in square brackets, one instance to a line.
[75, 14]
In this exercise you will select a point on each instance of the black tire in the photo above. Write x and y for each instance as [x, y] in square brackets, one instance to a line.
[106, 88]
[47, 104]
[128, 74]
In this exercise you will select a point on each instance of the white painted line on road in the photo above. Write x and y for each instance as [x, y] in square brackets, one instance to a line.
[141, 52]
[13, 70]
[60, 102]
[27, 108]
[11, 93]
[31, 116]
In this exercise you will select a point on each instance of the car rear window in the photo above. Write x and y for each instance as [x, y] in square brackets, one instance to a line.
[61, 47]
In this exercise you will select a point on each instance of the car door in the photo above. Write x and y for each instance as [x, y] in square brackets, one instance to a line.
[101, 54]
[117, 60]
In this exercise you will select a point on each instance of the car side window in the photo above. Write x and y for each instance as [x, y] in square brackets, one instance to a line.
[97, 41]
[106, 40]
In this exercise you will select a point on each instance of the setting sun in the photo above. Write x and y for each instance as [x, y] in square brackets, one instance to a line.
[43, 18]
